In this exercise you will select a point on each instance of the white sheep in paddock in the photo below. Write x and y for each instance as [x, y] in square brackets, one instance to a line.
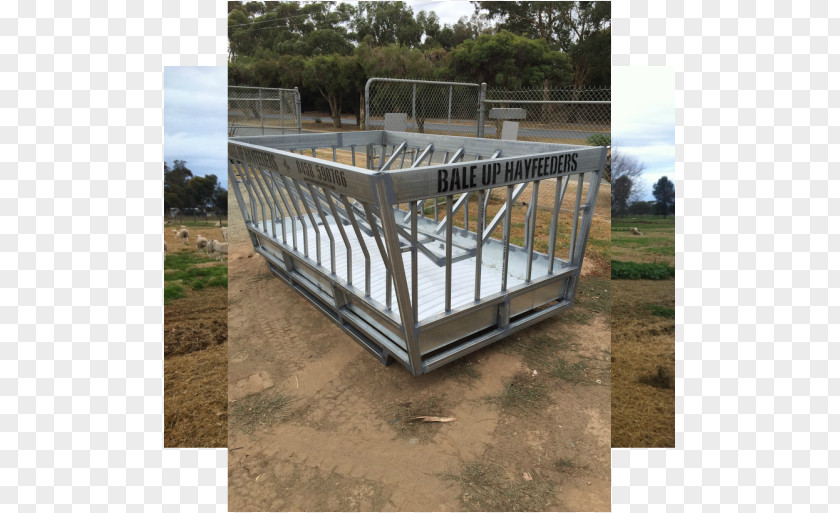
[215, 246]
[224, 232]
[221, 248]
[218, 223]
[635, 231]
[184, 234]
[200, 241]
[209, 247]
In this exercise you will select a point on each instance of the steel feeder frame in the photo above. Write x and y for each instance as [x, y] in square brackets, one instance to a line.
[360, 243]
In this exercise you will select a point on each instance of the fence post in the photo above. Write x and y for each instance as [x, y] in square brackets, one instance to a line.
[482, 95]
[282, 112]
[297, 109]
[449, 114]
[367, 104]
[414, 107]
[262, 120]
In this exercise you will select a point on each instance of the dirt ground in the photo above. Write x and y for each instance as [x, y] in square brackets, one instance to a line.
[317, 423]
[195, 355]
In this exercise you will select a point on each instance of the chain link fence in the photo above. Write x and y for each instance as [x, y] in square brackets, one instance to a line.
[550, 115]
[447, 108]
[263, 111]
[568, 116]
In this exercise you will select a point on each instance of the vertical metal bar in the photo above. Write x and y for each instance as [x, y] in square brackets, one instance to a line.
[340, 225]
[506, 236]
[414, 297]
[389, 229]
[262, 122]
[312, 219]
[282, 191]
[482, 95]
[297, 110]
[414, 107]
[262, 206]
[479, 228]
[449, 114]
[588, 213]
[273, 204]
[334, 157]
[375, 229]
[559, 192]
[448, 301]
[467, 211]
[575, 221]
[233, 183]
[367, 103]
[353, 153]
[326, 226]
[591, 198]
[532, 228]
[282, 111]
[350, 215]
[294, 201]
[245, 181]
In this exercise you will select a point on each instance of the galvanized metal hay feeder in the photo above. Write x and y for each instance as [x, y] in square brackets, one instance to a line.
[378, 244]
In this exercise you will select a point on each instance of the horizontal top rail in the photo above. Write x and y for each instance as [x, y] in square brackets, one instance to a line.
[421, 82]
[256, 87]
[545, 101]
[524, 162]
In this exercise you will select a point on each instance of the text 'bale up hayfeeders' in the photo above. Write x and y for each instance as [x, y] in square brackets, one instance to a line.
[420, 246]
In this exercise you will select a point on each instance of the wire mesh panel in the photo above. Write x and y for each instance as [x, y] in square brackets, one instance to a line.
[263, 111]
[450, 108]
[423, 248]
[552, 115]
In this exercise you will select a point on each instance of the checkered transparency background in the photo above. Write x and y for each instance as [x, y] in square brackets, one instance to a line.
[758, 215]
[81, 266]
[81, 400]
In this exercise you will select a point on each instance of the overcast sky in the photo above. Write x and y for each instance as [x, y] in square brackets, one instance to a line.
[643, 120]
[195, 119]
[448, 11]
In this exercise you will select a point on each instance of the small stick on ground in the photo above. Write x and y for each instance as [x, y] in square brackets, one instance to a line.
[434, 419]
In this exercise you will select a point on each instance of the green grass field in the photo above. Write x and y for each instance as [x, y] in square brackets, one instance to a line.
[643, 328]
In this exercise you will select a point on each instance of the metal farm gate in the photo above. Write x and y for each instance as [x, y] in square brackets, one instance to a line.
[263, 111]
[451, 108]
[422, 248]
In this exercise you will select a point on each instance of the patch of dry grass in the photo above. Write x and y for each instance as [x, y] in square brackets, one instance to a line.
[260, 410]
[643, 361]
[487, 486]
[195, 409]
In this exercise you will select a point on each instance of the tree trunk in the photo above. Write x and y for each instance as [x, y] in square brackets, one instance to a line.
[335, 108]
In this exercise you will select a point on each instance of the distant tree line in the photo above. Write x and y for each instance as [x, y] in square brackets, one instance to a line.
[626, 190]
[329, 50]
[192, 194]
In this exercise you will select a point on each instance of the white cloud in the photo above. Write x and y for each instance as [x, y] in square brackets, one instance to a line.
[195, 118]
[643, 120]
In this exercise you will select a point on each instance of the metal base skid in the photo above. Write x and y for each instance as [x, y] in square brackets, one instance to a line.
[419, 247]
